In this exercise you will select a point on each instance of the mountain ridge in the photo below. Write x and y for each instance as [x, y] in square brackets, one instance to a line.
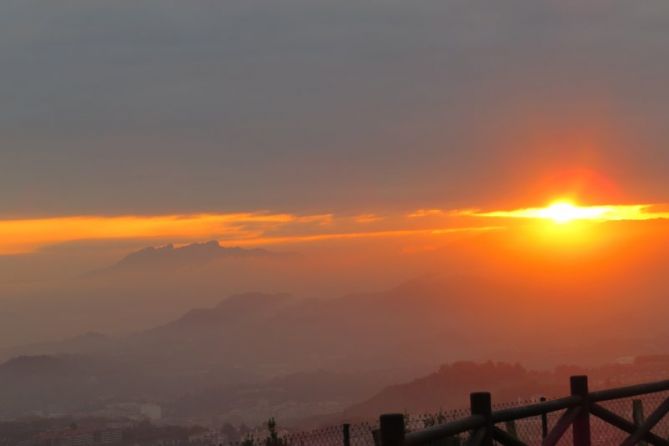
[187, 256]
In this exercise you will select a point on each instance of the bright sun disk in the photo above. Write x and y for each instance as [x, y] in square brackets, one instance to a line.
[564, 212]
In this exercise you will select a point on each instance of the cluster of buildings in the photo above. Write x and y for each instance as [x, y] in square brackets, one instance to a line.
[77, 437]
[101, 432]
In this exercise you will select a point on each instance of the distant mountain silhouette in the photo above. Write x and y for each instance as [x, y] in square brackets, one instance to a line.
[357, 331]
[188, 256]
[254, 337]
[238, 308]
[422, 322]
[449, 387]
[251, 339]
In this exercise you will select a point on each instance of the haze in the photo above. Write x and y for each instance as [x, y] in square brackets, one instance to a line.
[362, 177]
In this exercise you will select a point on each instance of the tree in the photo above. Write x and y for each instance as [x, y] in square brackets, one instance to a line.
[273, 438]
[248, 441]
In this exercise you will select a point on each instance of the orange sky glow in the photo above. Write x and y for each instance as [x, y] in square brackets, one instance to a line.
[20, 236]
[564, 211]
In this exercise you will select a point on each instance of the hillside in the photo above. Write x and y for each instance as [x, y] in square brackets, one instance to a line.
[449, 387]
[248, 341]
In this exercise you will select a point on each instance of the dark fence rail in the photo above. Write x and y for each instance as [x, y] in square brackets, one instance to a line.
[481, 428]
[602, 418]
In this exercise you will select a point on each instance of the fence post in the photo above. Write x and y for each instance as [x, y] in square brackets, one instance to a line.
[581, 426]
[544, 421]
[392, 429]
[637, 416]
[481, 404]
[346, 431]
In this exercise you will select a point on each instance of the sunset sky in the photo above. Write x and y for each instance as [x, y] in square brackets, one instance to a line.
[510, 153]
[262, 123]
[221, 218]
[224, 212]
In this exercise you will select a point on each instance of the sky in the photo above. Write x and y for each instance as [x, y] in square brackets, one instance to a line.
[498, 163]
[169, 121]
[163, 107]
[377, 142]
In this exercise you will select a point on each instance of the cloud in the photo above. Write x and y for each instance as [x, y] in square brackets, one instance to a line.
[21, 236]
[147, 107]
[360, 235]
[420, 213]
[565, 211]
[27, 235]
[367, 218]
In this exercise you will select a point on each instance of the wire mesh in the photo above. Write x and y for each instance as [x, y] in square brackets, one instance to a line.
[360, 434]
[530, 431]
[604, 433]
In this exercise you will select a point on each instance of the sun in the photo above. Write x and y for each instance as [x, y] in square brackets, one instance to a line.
[562, 212]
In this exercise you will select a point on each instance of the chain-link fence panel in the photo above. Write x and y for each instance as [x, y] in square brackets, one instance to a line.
[530, 431]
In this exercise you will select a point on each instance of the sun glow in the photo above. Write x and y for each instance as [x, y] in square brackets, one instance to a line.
[564, 212]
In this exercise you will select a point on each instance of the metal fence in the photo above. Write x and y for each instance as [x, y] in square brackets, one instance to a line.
[607, 417]
[623, 416]
[367, 433]
[358, 434]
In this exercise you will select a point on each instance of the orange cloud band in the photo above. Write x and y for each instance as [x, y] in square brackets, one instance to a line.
[20, 236]
[358, 235]
[27, 235]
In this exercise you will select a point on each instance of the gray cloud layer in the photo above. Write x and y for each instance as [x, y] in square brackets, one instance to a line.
[162, 106]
